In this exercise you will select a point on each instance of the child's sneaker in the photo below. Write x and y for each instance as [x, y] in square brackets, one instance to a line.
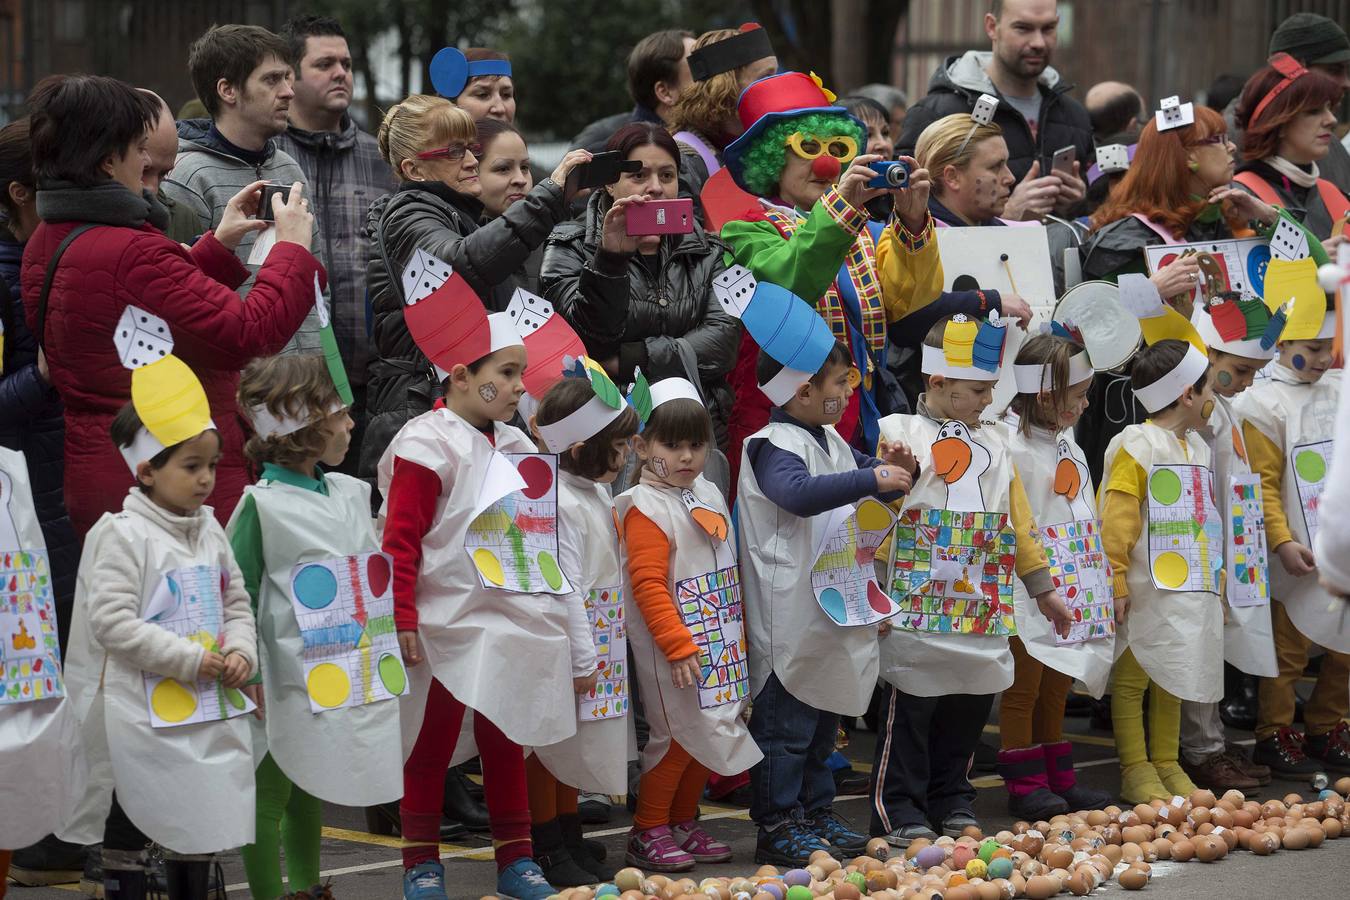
[424, 881]
[956, 823]
[790, 844]
[827, 825]
[905, 835]
[523, 880]
[703, 847]
[656, 850]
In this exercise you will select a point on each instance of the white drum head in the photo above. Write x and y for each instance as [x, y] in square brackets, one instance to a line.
[1110, 334]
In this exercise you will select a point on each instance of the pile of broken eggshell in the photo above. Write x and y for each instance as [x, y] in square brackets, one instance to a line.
[1074, 854]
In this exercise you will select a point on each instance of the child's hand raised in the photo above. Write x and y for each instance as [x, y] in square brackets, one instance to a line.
[686, 672]
[892, 478]
[1297, 559]
[897, 453]
[585, 684]
[235, 672]
[412, 652]
[212, 665]
[1051, 605]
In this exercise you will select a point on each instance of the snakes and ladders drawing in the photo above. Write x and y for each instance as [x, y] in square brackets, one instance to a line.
[953, 572]
[711, 608]
[1227, 265]
[1079, 569]
[188, 602]
[1248, 568]
[514, 541]
[30, 660]
[345, 610]
[844, 575]
[1185, 534]
[1311, 462]
[609, 698]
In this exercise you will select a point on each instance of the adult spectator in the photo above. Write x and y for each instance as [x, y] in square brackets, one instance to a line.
[431, 144]
[241, 75]
[488, 96]
[1320, 44]
[658, 72]
[1223, 91]
[163, 149]
[1035, 111]
[89, 136]
[1115, 109]
[505, 177]
[645, 302]
[891, 98]
[344, 169]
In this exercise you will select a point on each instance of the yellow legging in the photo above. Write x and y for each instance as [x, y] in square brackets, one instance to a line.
[1129, 681]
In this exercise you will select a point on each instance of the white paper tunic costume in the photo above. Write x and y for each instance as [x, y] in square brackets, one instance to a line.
[190, 788]
[929, 664]
[596, 757]
[789, 634]
[42, 767]
[1176, 636]
[502, 654]
[350, 754]
[717, 737]
[1038, 457]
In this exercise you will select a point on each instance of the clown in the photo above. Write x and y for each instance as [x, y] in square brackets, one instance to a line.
[810, 233]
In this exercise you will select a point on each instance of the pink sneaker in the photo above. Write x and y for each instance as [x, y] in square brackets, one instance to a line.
[702, 846]
[655, 850]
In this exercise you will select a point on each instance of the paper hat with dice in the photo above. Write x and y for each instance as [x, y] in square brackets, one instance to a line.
[168, 398]
[445, 317]
[593, 416]
[1172, 113]
[783, 324]
[550, 343]
[971, 349]
[982, 114]
[451, 71]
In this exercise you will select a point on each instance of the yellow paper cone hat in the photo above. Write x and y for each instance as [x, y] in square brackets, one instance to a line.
[168, 398]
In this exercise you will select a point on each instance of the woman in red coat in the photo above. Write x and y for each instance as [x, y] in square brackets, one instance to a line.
[89, 146]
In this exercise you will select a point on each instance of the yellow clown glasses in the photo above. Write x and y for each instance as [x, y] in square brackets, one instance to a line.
[808, 146]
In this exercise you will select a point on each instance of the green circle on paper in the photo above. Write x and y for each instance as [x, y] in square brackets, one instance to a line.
[548, 567]
[235, 697]
[392, 675]
[1310, 465]
[1165, 486]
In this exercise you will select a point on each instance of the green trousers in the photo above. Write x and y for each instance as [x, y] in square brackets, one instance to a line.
[287, 818]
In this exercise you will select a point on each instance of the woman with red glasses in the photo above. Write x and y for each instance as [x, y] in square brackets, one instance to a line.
[431, 144]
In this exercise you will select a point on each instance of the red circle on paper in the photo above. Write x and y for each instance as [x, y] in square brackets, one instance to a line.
[377, 574]
[538, 477]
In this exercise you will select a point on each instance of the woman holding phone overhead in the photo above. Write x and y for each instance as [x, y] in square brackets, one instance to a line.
[638, 292]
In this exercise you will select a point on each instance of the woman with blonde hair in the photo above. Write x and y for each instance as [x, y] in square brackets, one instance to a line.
[432, 146]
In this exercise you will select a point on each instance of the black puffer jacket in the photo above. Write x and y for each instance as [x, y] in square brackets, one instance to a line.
[444, 223]
[657, 312]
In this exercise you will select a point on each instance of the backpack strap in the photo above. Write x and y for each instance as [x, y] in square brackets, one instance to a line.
[1332, 197]
[1264, 190]
[52, 263]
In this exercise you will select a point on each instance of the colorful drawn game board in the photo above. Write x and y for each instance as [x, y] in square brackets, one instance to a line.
[345, 609]
[1248, 566]
[1185, 534]
[1240, 263]
[30, 659]
[1311, 462]
[609, 698]
[953, 572]
[188, 603]
[844, 577]
[711, 608]
[514, 542]
[1079, 569]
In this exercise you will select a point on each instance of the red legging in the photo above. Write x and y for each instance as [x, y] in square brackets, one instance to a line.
[424, 783]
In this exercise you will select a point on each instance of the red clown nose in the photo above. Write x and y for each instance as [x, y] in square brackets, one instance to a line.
[825, 167]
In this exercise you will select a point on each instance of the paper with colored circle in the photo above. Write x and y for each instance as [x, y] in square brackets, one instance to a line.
[953, 572]
[30, 658]
[345, 609]
[610, 697]
[1081, 573]
[1238, 263]
[711, 608]
[1310, 463]
[188, 602]
[1248, 564]
[513, 541]
[844, 576]
[1185, 533]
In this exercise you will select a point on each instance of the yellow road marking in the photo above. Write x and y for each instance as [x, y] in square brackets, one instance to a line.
[382, 840]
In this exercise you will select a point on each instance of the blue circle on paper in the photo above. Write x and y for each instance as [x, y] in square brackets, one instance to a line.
[315, 586]
[833, 603]
[449, 72]
[1257, 261]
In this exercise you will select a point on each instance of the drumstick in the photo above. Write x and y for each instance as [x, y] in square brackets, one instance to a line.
[1007, 268]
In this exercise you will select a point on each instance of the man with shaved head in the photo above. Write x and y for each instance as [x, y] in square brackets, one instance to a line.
[184, 226]
[1116, 110]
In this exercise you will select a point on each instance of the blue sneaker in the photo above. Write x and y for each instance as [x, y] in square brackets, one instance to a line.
[425, 881]
[790, 844]
[523, 880]
[827, 825]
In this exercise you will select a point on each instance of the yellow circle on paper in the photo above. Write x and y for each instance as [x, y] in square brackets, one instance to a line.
[1165, 486]
[329, 686]
[872, 516]
[173, 701]
[1171, 569]
[489, 565]
[1310, 465]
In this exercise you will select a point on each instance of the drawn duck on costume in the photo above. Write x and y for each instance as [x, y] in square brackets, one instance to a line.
[959, 460]
[9, 535]
[1071, 474]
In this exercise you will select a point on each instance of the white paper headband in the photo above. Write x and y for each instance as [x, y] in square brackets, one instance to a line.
[1169, 387]
[674, 389]
[145, 447]
[268, 425]
[1251, 349]
[935, 363]
[580, 425]
[1036, 377]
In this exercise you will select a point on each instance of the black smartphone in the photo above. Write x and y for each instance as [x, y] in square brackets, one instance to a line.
[604, 168]
[270, 190]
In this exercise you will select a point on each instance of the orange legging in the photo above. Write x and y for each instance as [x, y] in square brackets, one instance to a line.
[549, 797]
[1032, 710]
[669, 792]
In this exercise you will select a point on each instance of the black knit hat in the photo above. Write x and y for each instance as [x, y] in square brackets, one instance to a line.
[1311, 39]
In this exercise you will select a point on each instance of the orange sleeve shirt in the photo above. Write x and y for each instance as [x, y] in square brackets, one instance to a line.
[649, 571]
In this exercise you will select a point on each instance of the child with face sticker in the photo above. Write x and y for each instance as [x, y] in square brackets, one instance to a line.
[677, 535]
[1053, 378]
[1168, 612]
[940, 686]
[795, 471]
[1289, 423]
[452, 629]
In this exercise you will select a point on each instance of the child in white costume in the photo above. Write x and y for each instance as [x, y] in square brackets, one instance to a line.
[298, 534]
[1168, 570]
[589, 428]
[42, 768]
[685, 628]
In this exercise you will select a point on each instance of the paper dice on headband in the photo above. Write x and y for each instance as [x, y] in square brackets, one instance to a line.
[549, 340]
[1113, 158]
[1288, 241]
[446, 318]
[168, 398]
[1172, 113]
[984, 110]
[422, 275]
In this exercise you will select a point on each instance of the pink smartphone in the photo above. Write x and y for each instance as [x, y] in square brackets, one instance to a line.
[661, 217]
